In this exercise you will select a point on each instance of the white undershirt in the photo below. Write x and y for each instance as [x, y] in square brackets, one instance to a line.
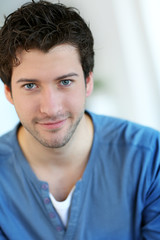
[63, 207]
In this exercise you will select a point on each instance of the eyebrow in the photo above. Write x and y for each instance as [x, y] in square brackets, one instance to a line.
[72, 74]
[67, 75]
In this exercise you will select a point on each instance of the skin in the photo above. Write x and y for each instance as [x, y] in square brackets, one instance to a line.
[49, 94]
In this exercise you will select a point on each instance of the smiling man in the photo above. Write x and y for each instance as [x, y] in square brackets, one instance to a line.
[53, 92]
[67, 173]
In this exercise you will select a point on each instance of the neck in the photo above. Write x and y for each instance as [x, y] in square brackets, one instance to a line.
[78, 147]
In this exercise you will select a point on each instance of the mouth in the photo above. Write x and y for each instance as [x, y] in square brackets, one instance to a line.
[52, 125]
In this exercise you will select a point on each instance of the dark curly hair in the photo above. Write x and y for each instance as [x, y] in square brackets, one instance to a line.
[42, 25]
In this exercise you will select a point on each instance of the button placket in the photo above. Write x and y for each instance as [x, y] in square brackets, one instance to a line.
[47, 200]
[50, 209]
[59, 228]
[44, 186]
[52, 215]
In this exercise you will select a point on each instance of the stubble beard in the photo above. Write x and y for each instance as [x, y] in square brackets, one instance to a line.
[55, 142]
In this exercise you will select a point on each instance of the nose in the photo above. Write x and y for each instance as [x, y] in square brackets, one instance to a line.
[50, 103]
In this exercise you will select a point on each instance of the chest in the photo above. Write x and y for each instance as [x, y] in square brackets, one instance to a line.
[94, 214]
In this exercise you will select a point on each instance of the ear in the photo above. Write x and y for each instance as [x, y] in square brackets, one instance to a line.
[89, 84]
[8, 94]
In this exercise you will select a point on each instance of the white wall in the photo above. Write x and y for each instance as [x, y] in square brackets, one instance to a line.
[8, 117]
[123, 62]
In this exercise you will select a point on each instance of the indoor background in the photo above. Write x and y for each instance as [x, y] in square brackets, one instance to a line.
[127, 60]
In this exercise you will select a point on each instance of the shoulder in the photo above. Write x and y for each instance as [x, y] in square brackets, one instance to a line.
[128, 146]
[7, 142]
[113, 130]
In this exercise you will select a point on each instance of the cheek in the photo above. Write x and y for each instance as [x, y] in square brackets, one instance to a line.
[76, 100]
[25, 107]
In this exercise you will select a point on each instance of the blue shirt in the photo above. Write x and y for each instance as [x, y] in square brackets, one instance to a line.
[118, 197]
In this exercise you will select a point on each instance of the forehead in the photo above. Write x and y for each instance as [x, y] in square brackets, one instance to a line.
[57, 60]
[60, 50]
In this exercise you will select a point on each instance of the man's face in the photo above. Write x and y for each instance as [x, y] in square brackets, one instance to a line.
[48, 92]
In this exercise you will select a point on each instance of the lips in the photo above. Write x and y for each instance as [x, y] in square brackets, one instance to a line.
[53, 125]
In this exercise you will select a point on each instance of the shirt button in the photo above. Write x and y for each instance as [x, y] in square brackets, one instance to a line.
[52, 215]
[46, 200]
[44, 186]
[59, 229]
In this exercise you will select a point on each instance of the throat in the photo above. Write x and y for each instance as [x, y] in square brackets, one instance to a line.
[62, 195]
[61, 180]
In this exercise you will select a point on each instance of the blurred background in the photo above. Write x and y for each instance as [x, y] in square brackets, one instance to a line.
[127, 59]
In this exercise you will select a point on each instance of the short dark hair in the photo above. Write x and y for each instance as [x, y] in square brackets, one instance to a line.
[42, 25]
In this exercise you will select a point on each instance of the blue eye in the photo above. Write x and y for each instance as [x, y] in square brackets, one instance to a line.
[65, 82]
[30, 86]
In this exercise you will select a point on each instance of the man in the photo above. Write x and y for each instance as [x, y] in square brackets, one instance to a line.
[66, 173]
